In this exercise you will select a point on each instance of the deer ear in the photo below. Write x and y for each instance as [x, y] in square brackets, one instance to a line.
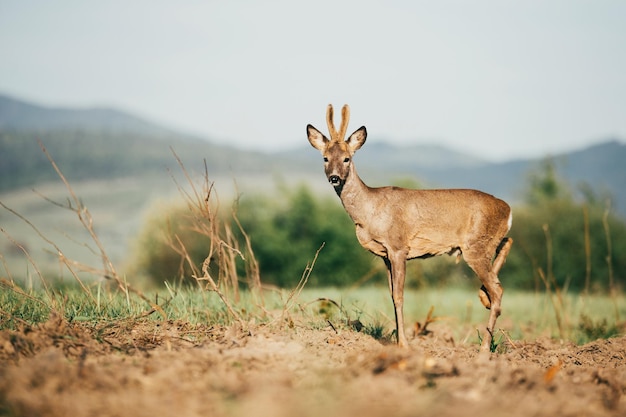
[357, 139]
[317, 139]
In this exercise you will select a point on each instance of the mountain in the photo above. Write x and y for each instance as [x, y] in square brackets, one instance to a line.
[100, 144]
[394, 158]
[107, 143]
[598, 167]
[18, 115]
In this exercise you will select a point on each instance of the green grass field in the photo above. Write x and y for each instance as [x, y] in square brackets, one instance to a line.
[456, 311]
[525, 316]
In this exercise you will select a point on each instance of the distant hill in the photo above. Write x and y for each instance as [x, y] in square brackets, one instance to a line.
[107, 143]
[599, 167]
[18, 115]
[382, 155]
[100, 144]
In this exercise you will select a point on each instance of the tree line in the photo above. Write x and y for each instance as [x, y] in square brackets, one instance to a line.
[84, 155]
[559, 241]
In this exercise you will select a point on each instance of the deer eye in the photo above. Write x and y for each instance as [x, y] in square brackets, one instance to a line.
[325, 159]
[346, 160]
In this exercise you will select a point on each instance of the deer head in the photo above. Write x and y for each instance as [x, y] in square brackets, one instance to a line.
[336, 151]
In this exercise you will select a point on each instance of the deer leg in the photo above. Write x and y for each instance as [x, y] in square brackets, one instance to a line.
[492, 291]
[501, 254]
[495, 291]
[396, 269]
[389, 275]
[494, 288]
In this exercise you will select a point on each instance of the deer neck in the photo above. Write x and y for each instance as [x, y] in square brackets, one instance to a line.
[353, 194]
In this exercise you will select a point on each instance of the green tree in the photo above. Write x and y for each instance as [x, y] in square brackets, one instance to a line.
[565, 241]
[562, 240]
[286, 231]
[544, 184]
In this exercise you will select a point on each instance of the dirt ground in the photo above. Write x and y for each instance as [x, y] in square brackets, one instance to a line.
[145, 368]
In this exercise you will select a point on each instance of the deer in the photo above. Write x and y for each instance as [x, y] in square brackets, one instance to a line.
[400, 224]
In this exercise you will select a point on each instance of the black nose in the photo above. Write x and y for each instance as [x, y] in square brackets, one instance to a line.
[334, 179]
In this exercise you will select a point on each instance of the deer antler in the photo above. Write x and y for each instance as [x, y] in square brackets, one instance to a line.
[331, 124]
[345, 118]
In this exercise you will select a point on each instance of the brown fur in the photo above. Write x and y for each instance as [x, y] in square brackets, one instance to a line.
[398, 224]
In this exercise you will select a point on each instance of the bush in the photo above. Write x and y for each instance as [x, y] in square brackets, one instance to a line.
[287, 231]
[578, 245]
[157, 255]
[552, 237]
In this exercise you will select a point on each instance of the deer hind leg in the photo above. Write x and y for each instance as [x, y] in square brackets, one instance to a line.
[396, 272]
[491, 291]
[501, 253]
[495, 291]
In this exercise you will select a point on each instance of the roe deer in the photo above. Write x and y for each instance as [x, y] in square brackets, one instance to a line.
[398, 224]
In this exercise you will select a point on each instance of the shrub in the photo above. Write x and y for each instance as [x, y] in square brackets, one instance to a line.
[288, 230]
[578, 245]
[157, 257]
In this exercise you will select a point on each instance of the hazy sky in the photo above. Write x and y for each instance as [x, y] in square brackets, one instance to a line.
[500, 79]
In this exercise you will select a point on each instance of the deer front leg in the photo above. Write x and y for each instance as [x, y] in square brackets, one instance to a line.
[396, 272]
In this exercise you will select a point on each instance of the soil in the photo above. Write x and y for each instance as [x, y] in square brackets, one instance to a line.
[147, 368]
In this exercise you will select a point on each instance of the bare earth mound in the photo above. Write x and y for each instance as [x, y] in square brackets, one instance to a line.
[145, 368]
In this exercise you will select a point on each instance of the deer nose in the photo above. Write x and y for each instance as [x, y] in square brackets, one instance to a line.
[334, 179]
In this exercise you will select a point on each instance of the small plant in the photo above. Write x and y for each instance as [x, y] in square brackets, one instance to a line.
[593, 330]
[376, 330]
[496, 346]
[421, 329]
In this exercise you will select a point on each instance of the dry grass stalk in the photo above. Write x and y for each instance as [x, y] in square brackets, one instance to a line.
[179, 247]
[421, 329]
[587, 248]
[609, 259]
[75, 205]
[253, 272]
[84, 216]
[295, 293]
[206, 276]
[11, 286]
[550, 281]
[557, 301]
[223, 250]
[44, 284]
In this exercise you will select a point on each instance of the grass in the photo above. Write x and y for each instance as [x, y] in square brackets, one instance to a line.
[526, 316]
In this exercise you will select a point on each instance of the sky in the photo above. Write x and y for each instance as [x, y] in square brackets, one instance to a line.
[499, 79]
